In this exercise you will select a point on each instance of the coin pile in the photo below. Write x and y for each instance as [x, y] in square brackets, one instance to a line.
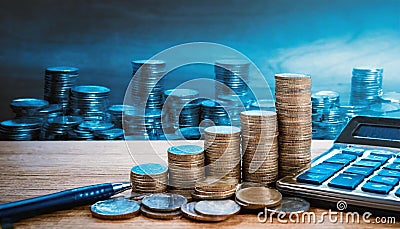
[259, 146]
[181, 109]
[58, 128]
[187, 160]
[214, 188]
[163, 206]
[146, 91]
[57, 84]
[293, 105]
[222, 152]
[327, 117]
[21, 129]
[232, 76]
[110, 134]
[89, 101]
[366, 86]
[213, 113]
[149, 178]
[143, 124]
[116, 112]
[25, 107]
[258, 197]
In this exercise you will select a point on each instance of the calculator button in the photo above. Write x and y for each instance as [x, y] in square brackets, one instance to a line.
[353, 151]
[385, 180]
[382, 153]
[343, 159]
[313, 178]
[376, 188]
[366, 163]
[377, 158]
[393, 167]
[346, 181]
[389, 173]
[365, 171]
[325, 168]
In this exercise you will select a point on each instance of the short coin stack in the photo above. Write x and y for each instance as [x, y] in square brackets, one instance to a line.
[21, 129]
[222, 151]
[293, 104]
[258, 197]
[259, 146]
[25, 107]
[163, 206]
[57, 84]
[214, 188]
[58, 128]
[149, 178]
[185, 167]
[214, 113]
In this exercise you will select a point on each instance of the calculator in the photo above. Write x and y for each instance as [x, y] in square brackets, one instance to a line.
[362, 167]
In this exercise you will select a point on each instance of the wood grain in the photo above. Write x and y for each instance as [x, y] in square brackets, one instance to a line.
[30, 169]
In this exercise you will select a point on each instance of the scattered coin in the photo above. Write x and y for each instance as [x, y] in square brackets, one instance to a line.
[258, 197]
[291, 205]
[161, 215]
[118, 208]
[217, 208]
[189, 212]
[161, 202]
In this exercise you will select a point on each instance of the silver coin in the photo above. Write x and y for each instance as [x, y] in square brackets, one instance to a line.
[217, 207]
[164, 202]
[291, 205]
[189, 212]
[117, 208]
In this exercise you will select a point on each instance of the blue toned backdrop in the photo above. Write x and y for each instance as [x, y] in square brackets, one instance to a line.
[320, 37]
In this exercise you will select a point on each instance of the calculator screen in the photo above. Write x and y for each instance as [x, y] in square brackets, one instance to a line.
[377, 132]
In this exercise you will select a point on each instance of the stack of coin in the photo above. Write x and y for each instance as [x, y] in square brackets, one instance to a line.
[53, 110]
[366, 86]
[89, 101]
[185, 167]
[149, 178]
[110, 134]
[58, 128]
[327, 117]
[163, 206]
[21, 129]
[143, 125]
[116, 112]
[181, 109]
[214, 188]
[146, 91]
[232, 76]
[234, 106]
[57, 84]
[222, 151]
[26, 107]
[214, 113]
[259, 146]
[293, 104]
[258, 197]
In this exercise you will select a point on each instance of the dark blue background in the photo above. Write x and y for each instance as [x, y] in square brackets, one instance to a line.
[320, 37]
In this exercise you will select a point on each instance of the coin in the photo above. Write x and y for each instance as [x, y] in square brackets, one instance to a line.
[164, 202]
[189, 212]
[259, 196]
[161, 215]
[149, 178]
[217, 208]
[291, 205]
[117, 208]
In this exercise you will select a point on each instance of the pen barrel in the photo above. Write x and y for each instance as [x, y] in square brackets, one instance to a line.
[14, 211]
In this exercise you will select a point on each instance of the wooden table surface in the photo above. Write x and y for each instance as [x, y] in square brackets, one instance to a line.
[29, 169]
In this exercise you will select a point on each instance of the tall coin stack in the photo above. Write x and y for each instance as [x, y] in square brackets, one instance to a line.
[145, 88]
[366, 86]
[57, 84]
[149, 178]
[222, 151]
[327, 117]
[89, 101]
[185, 167]
[259, 146]
[232, 74]
[293, 105]
[214, 113]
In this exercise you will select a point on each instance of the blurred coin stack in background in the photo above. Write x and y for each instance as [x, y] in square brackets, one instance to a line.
[185, 168]
[214, 113]
[263, 104]
[27, 107]
[327, 119]
[149, 178]
[294, 108]
[115, 114]
[139, 125]
[259, 146]
[110, 134]
[181, 109]
[232, 76]
[366, 86]
[21, 129]
[222, 152]
[51, 111]
[57, 84]
[234, 106]
[90, 101]
[58, 128]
